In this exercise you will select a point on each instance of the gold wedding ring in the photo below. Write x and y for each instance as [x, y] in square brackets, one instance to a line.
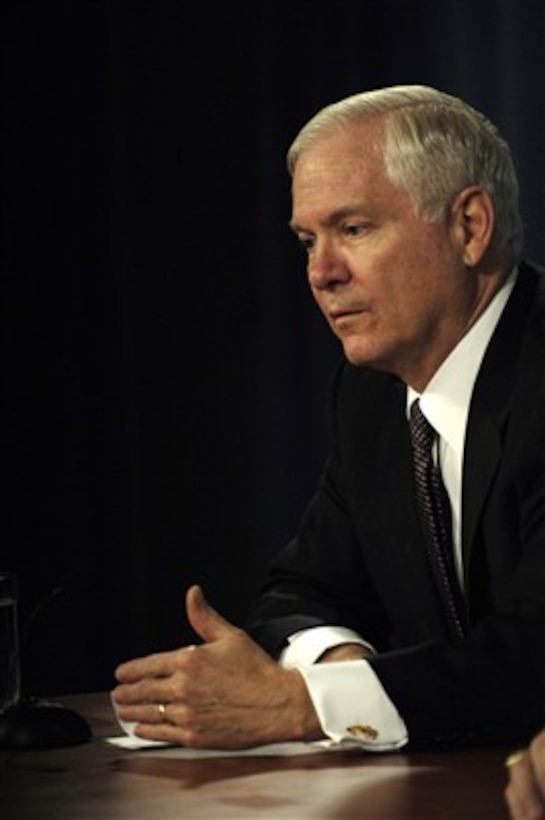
[514, 758]
[162, 711]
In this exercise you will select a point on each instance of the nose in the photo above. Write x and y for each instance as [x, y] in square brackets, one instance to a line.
[326, 266]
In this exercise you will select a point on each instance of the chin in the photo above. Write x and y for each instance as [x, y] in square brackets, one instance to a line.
[356, 355]
[361, 357]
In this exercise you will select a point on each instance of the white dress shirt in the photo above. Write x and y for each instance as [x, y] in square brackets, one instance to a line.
[349, 699]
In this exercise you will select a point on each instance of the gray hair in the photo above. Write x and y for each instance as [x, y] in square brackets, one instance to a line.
[435, 145]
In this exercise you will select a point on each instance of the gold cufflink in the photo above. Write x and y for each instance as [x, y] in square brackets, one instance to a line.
[363, 732]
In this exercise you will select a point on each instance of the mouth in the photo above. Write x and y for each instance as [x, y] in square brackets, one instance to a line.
[345, 313]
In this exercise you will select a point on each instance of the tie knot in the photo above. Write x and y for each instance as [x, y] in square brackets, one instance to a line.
[422, 433]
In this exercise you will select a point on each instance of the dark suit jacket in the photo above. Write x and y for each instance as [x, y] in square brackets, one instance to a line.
[359, 559]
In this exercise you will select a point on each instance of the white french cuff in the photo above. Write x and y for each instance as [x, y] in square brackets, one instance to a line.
[353, 707]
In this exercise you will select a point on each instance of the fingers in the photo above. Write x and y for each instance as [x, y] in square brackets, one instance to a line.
[153, 714]
[163, 664]
[158, 722]
[537, 756]
[155, 679]
[157, 666]
[165, 733]
[207, 623]
[525, 798]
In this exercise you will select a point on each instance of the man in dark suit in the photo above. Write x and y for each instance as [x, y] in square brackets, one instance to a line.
[410, 608]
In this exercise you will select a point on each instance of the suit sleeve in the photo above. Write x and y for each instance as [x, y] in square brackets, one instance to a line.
[320, 577]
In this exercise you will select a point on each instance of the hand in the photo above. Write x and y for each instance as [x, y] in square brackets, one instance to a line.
[525, 792]
[226, 693]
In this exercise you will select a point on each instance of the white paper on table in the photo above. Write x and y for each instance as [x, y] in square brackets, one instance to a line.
[269, 750]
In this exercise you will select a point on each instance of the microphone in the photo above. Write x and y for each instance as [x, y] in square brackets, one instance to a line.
[34, 723]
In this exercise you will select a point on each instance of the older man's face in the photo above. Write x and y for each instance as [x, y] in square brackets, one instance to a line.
[394, 288]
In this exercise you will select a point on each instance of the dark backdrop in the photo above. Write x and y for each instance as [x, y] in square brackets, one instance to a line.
[165, 370]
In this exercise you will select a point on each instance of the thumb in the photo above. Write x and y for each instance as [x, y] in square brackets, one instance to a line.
[206, 622]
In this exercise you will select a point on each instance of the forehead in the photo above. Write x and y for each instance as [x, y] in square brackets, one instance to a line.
[340, 150]
[340, 169]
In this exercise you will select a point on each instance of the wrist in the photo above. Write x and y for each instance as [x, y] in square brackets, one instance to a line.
[307, 725]
[345, 652]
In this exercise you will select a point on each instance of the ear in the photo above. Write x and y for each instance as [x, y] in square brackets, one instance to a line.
[473, 221]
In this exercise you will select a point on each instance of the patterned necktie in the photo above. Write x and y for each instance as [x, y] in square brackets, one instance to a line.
[434, 510]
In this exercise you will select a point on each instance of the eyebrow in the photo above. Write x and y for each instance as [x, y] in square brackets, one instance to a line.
[333, 219]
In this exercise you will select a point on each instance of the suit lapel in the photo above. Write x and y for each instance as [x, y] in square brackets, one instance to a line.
[490, 407]
[481, 460]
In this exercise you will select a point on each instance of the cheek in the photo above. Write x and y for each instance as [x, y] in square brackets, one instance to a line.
[409, 284]
[407, 315]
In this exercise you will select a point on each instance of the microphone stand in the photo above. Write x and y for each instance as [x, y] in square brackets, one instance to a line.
[34, 723]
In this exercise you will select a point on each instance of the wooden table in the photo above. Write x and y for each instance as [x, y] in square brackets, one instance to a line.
[98, 781]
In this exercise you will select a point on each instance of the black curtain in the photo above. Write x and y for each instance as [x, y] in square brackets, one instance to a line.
[165, 370]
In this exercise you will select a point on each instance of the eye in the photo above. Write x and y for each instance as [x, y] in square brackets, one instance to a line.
[306, 241]
[355, 229]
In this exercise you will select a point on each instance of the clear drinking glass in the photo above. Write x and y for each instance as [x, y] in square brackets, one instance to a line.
[10, 670]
